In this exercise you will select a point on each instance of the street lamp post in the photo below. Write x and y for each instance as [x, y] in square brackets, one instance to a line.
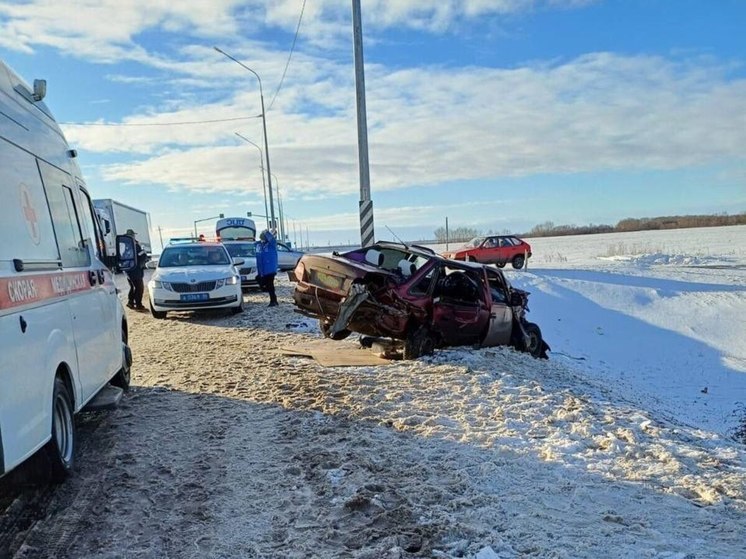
[279, 207]
[196, 221]
[264, 124]
[264, 181]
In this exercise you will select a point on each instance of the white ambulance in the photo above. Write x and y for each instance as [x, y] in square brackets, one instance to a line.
[63, 332]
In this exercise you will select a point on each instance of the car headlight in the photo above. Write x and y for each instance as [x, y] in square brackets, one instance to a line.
[161, 285]
[233, 280]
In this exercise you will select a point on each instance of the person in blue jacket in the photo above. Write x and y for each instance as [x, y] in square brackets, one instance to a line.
[266, 264]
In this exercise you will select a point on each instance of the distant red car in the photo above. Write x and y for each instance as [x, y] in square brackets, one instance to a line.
[498, 249]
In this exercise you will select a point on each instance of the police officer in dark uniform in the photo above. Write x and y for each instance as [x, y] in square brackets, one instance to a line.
[135, 276]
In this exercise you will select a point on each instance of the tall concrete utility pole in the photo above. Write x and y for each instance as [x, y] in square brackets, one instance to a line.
[367, 234]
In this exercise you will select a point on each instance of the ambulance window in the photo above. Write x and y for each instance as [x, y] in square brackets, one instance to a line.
[73, 251]
[90, 223]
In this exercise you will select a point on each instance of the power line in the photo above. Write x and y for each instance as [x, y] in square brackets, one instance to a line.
[158, 123]
[292, 48]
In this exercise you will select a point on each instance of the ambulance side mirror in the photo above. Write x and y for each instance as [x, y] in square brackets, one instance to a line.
[126, 256]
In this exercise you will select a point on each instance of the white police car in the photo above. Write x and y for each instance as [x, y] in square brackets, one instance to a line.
[193, 276]
[246, 251]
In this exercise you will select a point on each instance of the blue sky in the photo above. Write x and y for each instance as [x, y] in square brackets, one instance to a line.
[500, 114]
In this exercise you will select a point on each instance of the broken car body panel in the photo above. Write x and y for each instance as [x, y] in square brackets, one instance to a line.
[394, 290]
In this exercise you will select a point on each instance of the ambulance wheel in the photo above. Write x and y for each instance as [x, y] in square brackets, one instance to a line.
[157, 314]
[61, 448]
[122, 378]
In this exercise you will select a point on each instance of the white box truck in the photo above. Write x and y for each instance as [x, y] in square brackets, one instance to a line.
[116, 218]
[63, 331]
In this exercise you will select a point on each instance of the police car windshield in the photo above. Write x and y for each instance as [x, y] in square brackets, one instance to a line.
[193, 255]
[241, 250]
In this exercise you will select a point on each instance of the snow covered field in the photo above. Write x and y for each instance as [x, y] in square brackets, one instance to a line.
[659, 316]
[612, 447]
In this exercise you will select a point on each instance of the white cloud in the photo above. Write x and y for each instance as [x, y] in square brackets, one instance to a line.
[108, 30]
[427, 125]
[599, 112]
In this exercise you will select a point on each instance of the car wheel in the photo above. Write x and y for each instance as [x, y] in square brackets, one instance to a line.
[533, 343]
[61, 448]
[157, 314]
[518, 262]
[122, 378]
[500, 264]
[419, 342]
[238, 309]
[471, 258]
[325, 330]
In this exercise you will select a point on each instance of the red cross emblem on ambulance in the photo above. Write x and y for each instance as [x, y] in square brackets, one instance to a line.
[30, 215]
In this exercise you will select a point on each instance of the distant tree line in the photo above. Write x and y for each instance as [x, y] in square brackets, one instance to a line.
[549, 229]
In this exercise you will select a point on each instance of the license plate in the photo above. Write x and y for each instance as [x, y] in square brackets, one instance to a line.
[195, 297]
[326, 280]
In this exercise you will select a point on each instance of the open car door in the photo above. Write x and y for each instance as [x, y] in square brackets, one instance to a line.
[501, 315]
[460, 312]
[501, 325]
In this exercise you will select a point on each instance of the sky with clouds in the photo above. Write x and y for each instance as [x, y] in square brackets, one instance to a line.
[498, 114]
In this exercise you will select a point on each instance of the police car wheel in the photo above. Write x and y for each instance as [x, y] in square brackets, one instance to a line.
[61, 448]
[157, 314]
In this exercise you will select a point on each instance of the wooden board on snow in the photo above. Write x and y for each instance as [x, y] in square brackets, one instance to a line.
[329, 353]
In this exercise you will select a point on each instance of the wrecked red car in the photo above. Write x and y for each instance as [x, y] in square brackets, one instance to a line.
[409, 293]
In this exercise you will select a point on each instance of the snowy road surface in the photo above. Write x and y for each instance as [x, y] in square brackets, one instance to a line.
[224, 448]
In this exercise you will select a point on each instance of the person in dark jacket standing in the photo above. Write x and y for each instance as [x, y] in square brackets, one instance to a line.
[266, 264]
[135, 276]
